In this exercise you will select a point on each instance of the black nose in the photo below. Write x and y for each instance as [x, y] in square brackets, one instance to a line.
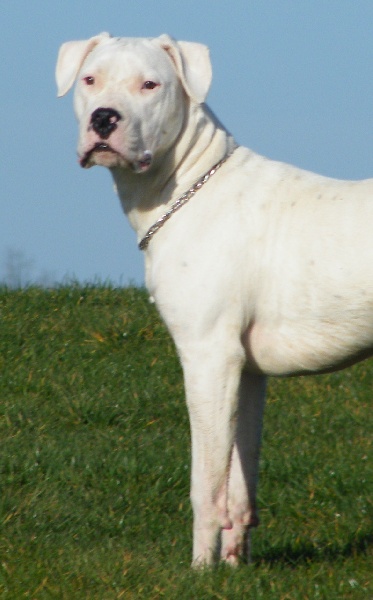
[104, 121]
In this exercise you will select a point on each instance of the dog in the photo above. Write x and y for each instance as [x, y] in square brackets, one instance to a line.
[258, 268]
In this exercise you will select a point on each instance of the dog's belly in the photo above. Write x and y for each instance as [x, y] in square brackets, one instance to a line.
[298, 348]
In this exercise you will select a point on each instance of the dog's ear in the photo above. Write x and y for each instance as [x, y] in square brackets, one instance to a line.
[70, 58]
[193, 66]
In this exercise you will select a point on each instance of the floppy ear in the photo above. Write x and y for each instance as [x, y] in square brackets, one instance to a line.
[70, 58]
[193, 66]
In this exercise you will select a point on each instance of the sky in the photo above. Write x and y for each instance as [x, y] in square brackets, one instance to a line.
[292, 80]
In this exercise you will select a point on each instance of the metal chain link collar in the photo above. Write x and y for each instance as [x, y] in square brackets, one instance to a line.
[181, 201]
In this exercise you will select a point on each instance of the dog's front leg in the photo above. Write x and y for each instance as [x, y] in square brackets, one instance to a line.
[243, 473]
[211, 381]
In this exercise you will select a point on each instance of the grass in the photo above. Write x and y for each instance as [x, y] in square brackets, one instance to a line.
[95, 465]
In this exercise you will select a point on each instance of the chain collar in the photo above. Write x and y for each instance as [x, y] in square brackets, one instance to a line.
[181, 201]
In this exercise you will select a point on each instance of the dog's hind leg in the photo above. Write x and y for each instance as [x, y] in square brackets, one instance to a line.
[243, 473]
[212, 382]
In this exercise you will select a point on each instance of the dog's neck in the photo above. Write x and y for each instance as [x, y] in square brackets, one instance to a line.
[146, 196]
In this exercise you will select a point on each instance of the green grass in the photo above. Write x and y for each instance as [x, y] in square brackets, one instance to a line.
[94, 464]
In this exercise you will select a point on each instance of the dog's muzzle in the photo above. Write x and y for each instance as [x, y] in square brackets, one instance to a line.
[104, 121]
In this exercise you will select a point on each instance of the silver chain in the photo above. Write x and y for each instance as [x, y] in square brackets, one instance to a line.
[181, 201]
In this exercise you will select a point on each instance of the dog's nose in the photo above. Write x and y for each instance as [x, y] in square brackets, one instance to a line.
[104, 121]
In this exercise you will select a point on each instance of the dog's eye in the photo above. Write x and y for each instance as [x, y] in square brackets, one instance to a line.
[89, 80]
[149, 85]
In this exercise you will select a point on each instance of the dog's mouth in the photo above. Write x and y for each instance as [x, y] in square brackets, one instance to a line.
[86, 161]
[114, 158]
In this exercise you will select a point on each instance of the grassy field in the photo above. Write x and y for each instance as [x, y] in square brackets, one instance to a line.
[95, 464]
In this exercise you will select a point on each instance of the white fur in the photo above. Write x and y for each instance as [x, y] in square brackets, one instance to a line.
[268, 270]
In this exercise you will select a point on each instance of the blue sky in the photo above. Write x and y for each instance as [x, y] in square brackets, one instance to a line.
[293, 80]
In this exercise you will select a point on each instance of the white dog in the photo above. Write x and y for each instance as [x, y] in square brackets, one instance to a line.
[264, 270]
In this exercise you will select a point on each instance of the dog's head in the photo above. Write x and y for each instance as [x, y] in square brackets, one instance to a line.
[131, 95]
